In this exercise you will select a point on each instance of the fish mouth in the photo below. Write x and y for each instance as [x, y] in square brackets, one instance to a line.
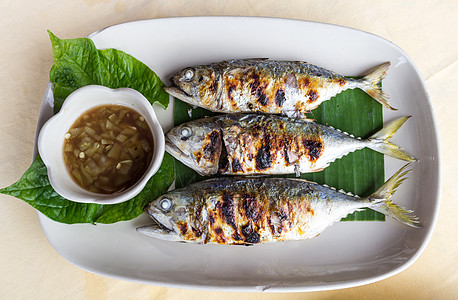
[180, 94]
[151, 211]
[173, 149]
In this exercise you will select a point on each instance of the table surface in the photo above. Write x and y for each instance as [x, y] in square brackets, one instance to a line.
[426, 30]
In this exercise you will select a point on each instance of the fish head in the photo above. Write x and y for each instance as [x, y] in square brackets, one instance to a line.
[172, 213]
[197, 144]
[197, 86]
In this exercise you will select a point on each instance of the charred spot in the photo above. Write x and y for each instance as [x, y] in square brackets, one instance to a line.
[211, 148]
[214, 137]
[236, 165]
[197, 232]
[251, 210]
[282, 216]
[272, 229]
[341, 81]
[213, 88]
[211, 219]
[220, 238]
[250, 106]
[227, 210]
[183, 228]
[256, 130]
[314, 148]
[223, 160]
[257, 90]
[306, 82]
[198, 156]
[263, 99]
[285, 153]
[313, 95]
[250, 235]
[230, 89]
[310, 210]
[280, 98]
[264, 157]
[236, 236]
[254, 85]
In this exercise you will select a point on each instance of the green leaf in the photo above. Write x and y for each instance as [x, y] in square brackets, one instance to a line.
[360, 172]
[77, 63]
[34, 188]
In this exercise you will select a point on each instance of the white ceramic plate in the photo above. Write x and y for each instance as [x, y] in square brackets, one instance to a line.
[347, 254]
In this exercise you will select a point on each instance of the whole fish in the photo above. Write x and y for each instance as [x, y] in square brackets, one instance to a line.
[243, 144]
[267, 86]
[261, 210]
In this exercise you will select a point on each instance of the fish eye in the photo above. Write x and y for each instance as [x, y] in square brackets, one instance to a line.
[165, 204]
[185, 132]
[188, 74]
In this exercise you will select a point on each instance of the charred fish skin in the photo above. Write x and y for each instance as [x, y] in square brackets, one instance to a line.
[291, 88]
[247, 144]
[246, 211]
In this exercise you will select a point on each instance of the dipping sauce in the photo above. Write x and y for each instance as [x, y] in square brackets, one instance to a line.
[108, 148]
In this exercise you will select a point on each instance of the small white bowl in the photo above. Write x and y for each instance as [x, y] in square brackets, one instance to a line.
[51, 141]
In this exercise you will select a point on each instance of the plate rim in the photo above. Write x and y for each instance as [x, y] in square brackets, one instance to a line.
[293, 288]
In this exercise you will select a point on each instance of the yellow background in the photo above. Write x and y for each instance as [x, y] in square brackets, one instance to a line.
[31, 269]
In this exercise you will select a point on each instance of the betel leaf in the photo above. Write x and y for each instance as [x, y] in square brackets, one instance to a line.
[77, 63]
[360, 172]
[34, 188]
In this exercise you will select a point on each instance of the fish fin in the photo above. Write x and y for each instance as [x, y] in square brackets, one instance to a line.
[370, 84]
[379, 141]
[382, 203]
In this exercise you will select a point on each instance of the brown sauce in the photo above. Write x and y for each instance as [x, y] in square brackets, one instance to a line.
[108, 149]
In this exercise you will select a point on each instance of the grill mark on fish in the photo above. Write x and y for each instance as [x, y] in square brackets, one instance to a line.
[251, 208]
[211, 219]
[227, 210]
[212, 147]
[230, 89]
[251, 236]
[183, 228]
[219, 235]
[280, 98]
[263, 157]
[258, 90]
[286, 148]
[312, 96]
[213, 88]
[313, 148]
[197, 232]
[236, 166]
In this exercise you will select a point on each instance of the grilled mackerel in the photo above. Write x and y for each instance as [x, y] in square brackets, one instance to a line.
[267, 86]
[249, 211]
[244, 144]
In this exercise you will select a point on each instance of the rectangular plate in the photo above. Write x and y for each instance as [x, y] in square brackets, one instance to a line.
[348, 253]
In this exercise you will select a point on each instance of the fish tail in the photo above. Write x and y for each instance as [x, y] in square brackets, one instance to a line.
[383, 205]
[370, 84]
[379, 141]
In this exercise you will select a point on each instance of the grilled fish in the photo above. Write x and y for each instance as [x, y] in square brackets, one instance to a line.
[231, 210]
[267, 86]
[244, 144]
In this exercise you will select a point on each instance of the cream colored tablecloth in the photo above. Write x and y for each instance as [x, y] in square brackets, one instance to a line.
[32, 269]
